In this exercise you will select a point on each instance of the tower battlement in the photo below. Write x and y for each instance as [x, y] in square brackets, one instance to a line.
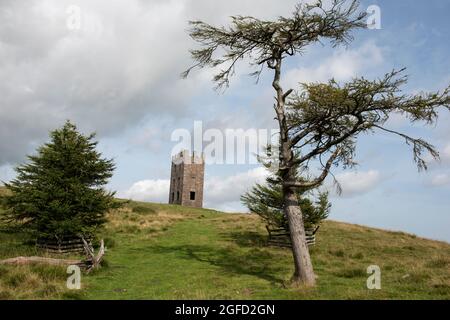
[186, 179]
[188, 158]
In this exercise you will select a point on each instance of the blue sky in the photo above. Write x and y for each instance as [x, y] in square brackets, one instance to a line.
[118, 74]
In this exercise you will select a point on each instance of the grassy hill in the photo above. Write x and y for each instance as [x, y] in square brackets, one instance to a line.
[171, 252]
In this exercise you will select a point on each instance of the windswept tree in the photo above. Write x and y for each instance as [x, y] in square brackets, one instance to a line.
[318, 123]
[59, 193]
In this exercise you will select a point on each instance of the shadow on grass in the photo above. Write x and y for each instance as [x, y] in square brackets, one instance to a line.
[247, 239]
[254, 262]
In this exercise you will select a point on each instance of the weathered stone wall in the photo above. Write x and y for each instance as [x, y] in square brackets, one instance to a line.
[186, 180]
[176, 183]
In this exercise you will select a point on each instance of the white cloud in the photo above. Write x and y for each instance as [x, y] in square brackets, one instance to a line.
[223, 193]
[122, 64]
[356, 183]
[445, 154]
[342, 65]
[148, 190]
[219, 192]
[440, 180]
[105, 78]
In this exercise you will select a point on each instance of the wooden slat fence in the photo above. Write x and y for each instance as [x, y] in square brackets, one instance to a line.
[71, 245]
[279, 237]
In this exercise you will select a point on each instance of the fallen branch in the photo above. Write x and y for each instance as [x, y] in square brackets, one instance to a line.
[94, 261]
[50, 261]
[91, 263]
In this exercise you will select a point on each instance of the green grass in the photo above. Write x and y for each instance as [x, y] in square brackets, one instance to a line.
[172, 252]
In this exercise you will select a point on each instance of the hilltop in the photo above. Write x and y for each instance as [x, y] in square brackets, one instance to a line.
[160, 251]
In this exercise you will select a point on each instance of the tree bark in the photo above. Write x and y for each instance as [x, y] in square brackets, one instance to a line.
[304, 273]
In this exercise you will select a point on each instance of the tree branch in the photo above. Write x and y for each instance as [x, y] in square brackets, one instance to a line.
[418, 146]
[314, 183]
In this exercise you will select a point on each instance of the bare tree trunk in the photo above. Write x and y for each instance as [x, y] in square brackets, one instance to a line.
[32, 260]
[304, 273]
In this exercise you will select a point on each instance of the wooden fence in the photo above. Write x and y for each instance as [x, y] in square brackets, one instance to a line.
[70, 245]
[279, 237]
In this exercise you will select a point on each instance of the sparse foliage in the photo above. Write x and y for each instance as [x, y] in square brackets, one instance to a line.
[327, 118]
[263, 42]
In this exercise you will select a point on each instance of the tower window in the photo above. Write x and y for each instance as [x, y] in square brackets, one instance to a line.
[178, 195]
[192, 195]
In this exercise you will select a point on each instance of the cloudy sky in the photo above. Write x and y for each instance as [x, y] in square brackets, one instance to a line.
[116, 71]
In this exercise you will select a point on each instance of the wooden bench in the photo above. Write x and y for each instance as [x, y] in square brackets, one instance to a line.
[279, 237]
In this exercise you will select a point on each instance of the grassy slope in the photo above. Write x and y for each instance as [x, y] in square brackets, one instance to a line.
[171, 252]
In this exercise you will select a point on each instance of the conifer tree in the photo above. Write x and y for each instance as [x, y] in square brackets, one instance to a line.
[59, 193]
[266, 200]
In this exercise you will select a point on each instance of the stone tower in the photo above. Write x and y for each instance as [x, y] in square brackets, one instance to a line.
[186, 179]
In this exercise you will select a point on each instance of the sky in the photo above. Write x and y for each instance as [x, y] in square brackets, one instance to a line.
[114, 67]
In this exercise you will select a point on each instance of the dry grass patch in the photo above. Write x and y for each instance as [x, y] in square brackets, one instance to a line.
[33, 282]
[145, 218]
